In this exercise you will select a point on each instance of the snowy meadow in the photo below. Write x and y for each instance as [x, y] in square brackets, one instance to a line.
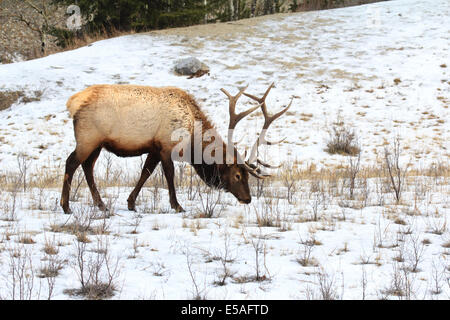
[359, 208]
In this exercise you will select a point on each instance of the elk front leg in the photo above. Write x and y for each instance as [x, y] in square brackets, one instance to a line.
[150, 164]
[169, 171]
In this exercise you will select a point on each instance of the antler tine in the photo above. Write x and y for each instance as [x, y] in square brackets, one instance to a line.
[267, 165]
[268, 121]
[235, 118]
[263, 98]
[255, 171]
[259, 176]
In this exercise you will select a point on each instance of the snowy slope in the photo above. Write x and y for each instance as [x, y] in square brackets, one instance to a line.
[337, 61]
[342, 60]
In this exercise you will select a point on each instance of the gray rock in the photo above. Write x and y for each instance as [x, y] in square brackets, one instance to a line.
[190, 67]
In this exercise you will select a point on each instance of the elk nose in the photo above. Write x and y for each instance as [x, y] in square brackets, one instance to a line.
[246, 201]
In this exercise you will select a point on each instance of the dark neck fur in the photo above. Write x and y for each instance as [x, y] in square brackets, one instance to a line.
[209, 173]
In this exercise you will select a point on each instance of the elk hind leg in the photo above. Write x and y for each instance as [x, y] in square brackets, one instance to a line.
[72, 163]
[88, 168]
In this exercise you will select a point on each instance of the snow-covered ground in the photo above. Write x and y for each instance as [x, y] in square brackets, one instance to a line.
[382, 67]
[343, 60]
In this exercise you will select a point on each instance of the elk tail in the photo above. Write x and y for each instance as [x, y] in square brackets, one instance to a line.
[80, 100]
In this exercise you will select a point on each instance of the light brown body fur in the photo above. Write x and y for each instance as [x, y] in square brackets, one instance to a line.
[130, 120]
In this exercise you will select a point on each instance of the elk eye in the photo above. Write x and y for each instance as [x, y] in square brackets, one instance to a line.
[238, 177]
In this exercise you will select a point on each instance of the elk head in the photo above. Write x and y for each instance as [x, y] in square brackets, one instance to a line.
[234, 174]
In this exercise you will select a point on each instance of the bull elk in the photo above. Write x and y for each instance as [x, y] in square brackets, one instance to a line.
[130, 120]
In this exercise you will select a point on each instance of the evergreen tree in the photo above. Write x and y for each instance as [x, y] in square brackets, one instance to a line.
[140, 15]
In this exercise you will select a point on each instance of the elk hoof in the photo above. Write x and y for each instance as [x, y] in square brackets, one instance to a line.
[102, 207]
[178, 208]
[67, 211]
[131, 204]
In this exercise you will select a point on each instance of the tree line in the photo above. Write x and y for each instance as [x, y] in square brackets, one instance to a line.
[141, 15]
[109, 16]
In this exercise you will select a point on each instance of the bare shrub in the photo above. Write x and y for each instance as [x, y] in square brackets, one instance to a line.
[159, 269]
[225, 258]
[211, 205]
[382, 237]
[260, 184]
[135, 221]
[50, 247]
[305, 259]
[39, 204]
[257, 186]
[50, 270]
[437, 225]
[381, 188]
[365, 189]
[401, 284]
[268, 212]
[23, 163]
[327, 286]
[79, 179]
[155, 197]
[351, 173]
[198, 292]
[289, 178]
[421, 188]
[107, 164]
[342, 139]
[307, 246]
[319, 201]
[25, 238]
[179, 178]
[437, 277]
[311, 293]
[21, 274]
[414, 253]
[191, 189]
[259, 245]
[112, 174]
[364, 282]
[394, 171]
[9, 212]
[96, 271]
[82, 222]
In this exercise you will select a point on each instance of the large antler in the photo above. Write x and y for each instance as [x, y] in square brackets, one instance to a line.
[234, 119]
[249, 164]
[268, 119]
